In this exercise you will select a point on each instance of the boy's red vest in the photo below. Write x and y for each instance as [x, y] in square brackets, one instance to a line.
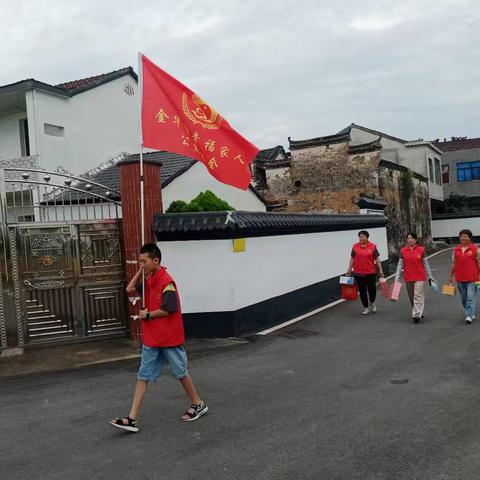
[363, 261]
[466, 265]
[165, 331]
[413, 267]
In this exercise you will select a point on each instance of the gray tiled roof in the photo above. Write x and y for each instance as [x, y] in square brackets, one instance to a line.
[240, 224]
[173, 165]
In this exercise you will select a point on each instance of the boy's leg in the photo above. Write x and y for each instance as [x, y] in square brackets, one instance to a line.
[188, 385]
[140, 391]
[177, 359]
[149, 371]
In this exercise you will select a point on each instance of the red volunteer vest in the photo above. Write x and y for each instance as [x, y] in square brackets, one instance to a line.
[363, 261]
[165, 331]
[413, 267]
[466, 266]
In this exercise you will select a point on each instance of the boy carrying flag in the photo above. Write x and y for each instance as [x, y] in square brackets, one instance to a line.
[163, 337]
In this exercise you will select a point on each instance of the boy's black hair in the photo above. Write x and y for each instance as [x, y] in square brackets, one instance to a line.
[413, 235]
[152, 251]
[364, 232]
[466, 231]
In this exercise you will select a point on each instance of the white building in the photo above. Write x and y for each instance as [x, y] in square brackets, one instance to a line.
[74, 125]
[418, 155]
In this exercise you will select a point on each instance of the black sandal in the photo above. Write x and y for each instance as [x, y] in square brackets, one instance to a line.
[194, 412]
[130, 426]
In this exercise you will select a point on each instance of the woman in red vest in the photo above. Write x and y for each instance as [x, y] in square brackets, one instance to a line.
[466, 271]
[363, 262]
[416, 270]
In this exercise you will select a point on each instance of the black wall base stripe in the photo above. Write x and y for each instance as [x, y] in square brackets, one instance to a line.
[263, 315]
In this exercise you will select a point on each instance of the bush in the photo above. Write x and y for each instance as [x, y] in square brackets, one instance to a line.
[177, 206]
[204, 202]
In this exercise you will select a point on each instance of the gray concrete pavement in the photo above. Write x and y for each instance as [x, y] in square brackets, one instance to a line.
[351, 397]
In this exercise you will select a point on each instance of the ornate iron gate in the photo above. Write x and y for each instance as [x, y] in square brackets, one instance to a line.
[61, 258]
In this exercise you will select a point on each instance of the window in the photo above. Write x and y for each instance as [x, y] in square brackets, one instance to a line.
[467, 171]
[430, 170]
[24, 142]
[446, 173]
[438, 174]
[53, 130]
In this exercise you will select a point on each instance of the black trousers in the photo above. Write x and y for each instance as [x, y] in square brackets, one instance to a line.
[367, 287]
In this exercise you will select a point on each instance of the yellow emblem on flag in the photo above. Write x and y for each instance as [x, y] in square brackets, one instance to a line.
[199, 111]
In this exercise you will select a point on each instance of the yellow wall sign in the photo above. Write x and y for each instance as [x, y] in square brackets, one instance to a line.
[239, 244]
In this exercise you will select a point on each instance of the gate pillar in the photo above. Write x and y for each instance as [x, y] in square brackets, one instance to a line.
[129, 173]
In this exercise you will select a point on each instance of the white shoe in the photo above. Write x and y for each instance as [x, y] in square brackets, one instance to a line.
[365, 311]
[468, 320]
[373, 308]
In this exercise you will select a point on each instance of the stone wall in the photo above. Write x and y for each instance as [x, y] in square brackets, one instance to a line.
[328, 179]
[408, 206]
[331, 178]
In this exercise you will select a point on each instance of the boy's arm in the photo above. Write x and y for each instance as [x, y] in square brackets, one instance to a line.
[169, 304]
[132, 286]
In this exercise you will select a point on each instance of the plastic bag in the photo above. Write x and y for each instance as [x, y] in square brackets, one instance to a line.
[384, 288]
[344, 280]
[349, 292]
[397, 286]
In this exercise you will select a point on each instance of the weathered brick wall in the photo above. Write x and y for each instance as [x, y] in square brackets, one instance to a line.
[327, 179]
[406, 211]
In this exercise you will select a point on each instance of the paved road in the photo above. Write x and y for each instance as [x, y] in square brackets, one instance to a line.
[320, 406]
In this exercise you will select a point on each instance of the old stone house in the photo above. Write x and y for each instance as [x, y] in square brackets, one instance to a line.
[332, 175]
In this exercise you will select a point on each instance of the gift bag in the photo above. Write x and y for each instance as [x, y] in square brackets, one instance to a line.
[448, 289]
[397, 286]
[384, 288]
[349, 292]
[344, 280]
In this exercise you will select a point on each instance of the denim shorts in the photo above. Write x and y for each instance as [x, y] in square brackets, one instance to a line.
[154, 358]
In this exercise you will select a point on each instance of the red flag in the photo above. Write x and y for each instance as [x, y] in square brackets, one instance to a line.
[177, 120]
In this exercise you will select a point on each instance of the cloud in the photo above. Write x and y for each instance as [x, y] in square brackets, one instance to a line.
[273, 69]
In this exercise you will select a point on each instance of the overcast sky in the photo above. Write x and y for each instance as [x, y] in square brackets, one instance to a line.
[273, 69]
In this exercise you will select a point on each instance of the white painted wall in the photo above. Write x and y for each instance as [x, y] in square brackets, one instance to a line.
[98, 124]
[197, 179]
[211, 277]
[10, 135]
[450, 227]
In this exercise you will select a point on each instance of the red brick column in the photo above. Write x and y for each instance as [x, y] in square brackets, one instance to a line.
[129, 173]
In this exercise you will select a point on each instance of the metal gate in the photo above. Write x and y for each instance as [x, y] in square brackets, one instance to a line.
[61, 261]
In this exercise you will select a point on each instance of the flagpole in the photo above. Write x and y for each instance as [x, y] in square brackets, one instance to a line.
[142, 182]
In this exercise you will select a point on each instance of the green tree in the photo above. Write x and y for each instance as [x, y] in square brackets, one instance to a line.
[204, 202]
[177, 206]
